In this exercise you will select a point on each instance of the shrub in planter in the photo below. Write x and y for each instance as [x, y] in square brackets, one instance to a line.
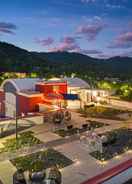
[37, 172]
[69, 127]
[61, 132]
[111, 138]
[55, 175]
[85, 126]
[67, 116]
[58, 117]
[18, 177]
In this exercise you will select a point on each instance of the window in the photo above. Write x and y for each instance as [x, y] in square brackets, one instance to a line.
[55, 88]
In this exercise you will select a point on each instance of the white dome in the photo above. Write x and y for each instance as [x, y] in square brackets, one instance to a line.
[22, 84]
[76, 82]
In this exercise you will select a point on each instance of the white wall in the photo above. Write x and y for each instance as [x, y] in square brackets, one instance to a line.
[10, 104]
[73, 104]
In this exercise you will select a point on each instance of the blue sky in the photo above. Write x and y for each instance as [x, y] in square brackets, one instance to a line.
[99, 28]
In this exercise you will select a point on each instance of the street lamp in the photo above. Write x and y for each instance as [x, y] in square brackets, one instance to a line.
[16, 122]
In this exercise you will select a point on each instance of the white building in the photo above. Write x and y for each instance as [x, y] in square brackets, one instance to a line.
[86, 95]
[93, 96]
[75, 86]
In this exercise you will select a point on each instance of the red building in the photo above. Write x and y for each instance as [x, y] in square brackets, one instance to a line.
[28, 95]
[28, 102]
[52, 91]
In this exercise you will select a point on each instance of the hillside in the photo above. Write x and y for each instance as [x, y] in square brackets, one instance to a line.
[83, 64]
[13, 58]
[16, 59]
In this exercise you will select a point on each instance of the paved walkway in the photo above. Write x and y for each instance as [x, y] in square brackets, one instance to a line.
[120, 104]
[85, 166]
[6, 172]
[50, 139]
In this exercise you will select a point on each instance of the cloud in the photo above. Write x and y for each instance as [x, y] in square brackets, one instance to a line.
[110, 4]
[126, 54]
[114, 6]
[68, 43]
[6, 27]
[105, 56]
[55, 21]
[88, 1]
[45, 42]
[91, 29]
[124, 40]
[93, 52]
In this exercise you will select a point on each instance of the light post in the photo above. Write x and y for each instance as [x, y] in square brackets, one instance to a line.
[16, 123]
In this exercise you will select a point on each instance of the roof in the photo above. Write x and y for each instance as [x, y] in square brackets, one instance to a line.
[23, 83]
[74, 82]
[51, 82]
[30, 93]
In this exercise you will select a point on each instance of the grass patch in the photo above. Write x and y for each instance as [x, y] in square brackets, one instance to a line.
[64, 133]
[73, 131]
[96, 124]
[122, 144]
[101, 112]
[24, 139]
[41, 160]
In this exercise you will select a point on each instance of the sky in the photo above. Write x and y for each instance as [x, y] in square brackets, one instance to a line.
[98, 28]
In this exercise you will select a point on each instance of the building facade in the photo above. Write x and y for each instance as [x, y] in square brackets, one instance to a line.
[31, 95]
[23, 96]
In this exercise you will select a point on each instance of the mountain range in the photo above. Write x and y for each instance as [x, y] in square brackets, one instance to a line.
[15, 59]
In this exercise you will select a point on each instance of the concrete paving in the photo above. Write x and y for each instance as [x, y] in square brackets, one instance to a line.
[84, 166]
[120, 104]
[47, 136]
[6, 172]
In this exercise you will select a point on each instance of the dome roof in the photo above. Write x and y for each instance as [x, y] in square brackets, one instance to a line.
[22, 84]
[76, 82]
[73, 82]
